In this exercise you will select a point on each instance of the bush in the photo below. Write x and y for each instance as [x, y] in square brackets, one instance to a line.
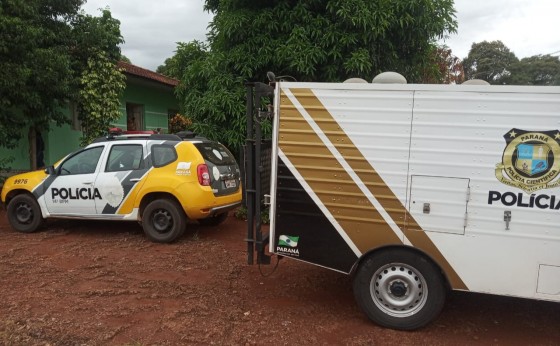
[241, 213]
[4, 162]
[179, 123]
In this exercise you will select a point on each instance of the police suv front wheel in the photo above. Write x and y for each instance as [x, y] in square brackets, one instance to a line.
[24, 213]
[399, 289]
[163, 221]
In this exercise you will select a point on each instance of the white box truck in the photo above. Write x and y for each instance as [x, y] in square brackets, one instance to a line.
[412, 189]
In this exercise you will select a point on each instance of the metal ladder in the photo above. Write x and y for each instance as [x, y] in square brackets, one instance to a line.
[257, 170]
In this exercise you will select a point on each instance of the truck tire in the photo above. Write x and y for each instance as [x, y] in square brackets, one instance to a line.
[163, 221]
[213, 220]
[24, 213]
[399, 289]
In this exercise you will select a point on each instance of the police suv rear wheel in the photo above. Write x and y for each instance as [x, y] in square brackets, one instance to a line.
[24, 213]
[163, 221]
[399, 289]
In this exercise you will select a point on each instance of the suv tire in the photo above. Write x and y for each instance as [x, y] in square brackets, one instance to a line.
[399, 289]
[163, 221]
[24, 214]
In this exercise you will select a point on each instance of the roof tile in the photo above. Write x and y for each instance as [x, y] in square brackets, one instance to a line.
[144, 73]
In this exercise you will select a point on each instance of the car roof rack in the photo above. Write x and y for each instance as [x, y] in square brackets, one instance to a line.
[189, 135]
[116, 133]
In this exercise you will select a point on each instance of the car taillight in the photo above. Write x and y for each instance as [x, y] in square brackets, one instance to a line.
[203, 175]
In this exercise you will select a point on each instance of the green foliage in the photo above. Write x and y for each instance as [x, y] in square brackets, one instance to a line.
[179, 123]
[445, 68]
[489, 61]
[211, 95]
[100, 83]
[192, 53]
[265, 216]
[99, 97]
[496, 64]
[241, 214]
[93, 34]
[45, 50]
[314, 40]
[4, 166]
[536, 70]
[164, 69]
[35, 62]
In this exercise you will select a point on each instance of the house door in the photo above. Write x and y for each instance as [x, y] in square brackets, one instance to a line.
[134, 117]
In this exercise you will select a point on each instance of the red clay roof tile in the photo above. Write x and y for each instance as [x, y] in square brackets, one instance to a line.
[144, 73]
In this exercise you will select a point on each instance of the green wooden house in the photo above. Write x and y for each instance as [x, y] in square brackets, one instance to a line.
[146, 104]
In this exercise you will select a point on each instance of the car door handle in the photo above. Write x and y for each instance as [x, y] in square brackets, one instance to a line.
[87, 182]
[135, 180]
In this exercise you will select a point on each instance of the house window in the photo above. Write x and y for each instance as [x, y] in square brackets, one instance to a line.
[134, 117]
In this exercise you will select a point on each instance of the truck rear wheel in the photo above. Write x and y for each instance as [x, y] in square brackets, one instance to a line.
[24, 213]
[399, 289]
[163, 221]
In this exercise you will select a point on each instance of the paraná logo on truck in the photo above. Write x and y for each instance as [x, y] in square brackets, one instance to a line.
[530, 160]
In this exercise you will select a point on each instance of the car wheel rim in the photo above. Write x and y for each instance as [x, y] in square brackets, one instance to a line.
[399, 290]
[24, 213]
[162, 221]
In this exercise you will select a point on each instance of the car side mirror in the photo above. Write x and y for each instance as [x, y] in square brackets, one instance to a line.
[50, 170]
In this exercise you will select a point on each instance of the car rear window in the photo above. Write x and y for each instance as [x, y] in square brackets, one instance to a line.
[215, 153]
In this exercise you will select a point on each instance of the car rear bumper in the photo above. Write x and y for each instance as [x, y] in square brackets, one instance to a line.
[210, 205]
[223, 209]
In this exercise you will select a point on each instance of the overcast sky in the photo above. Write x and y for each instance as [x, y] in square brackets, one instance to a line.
[151, 29]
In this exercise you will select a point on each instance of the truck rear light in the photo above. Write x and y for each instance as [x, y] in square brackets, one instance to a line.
[203, 175]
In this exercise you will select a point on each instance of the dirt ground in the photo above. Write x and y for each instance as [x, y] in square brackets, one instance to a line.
[100, 283]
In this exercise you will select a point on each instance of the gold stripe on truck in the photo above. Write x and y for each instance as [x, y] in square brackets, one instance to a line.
[373, 181]
[330, 182]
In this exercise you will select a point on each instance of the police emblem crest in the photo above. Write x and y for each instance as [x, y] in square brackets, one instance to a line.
[531, 160]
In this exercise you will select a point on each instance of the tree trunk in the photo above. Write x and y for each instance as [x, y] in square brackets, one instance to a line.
[32, 136]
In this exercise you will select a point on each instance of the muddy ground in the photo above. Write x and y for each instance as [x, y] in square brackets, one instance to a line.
[101, 283]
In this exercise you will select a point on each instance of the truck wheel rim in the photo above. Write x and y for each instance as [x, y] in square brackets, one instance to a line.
[24, 213]
[399, 290]
[162, 221]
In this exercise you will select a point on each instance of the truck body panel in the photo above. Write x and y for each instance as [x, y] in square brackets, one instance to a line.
[467, 175]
